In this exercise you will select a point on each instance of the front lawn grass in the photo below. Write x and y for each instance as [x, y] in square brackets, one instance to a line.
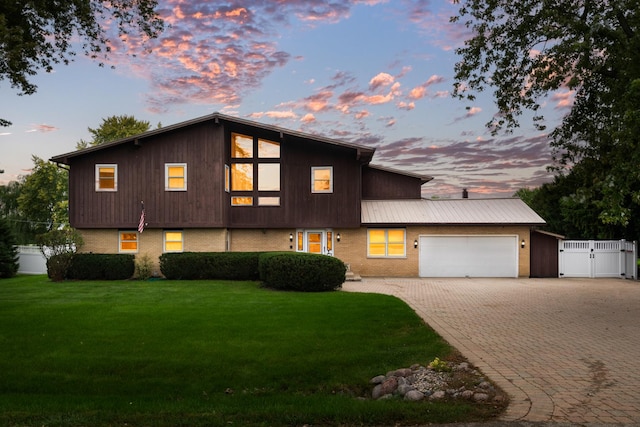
[206, 353]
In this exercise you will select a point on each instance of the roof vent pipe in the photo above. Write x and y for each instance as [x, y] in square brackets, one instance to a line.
[465, 193]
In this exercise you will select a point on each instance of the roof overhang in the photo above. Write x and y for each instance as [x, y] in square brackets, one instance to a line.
[363, 153]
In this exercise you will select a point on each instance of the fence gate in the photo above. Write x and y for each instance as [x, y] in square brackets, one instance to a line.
[597, 258]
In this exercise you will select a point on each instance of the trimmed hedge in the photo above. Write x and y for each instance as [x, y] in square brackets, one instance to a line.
[297, 271]
[210, 265]
[101, 266]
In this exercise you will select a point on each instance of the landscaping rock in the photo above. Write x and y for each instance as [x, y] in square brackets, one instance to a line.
[443, 382]
[413, 396]
[480, 397]
[378, 380]
[437, 395]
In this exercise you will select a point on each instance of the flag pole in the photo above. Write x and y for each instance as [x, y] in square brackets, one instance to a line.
[142, 223]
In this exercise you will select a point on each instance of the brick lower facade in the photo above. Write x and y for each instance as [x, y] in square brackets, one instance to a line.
[351, 248]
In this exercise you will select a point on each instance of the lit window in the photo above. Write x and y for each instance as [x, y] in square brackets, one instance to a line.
[322, 179]
[268, 201]
[242, 177]
[268, 149]
[173, 241]
[383, 243]
[269, 177]
[175, 176]
[241, 146]
[106, 177]
[250, 179]
[300, 241]
[128, 241]
[241, 201]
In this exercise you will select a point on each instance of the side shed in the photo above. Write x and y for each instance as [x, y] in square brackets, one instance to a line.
[544, 254]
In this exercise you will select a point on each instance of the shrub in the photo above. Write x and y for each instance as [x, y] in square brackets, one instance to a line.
[301, 271]
[58, 266]
[58, 247]
[210, 265]
[144, 267]
[8, 251]
[85, 266]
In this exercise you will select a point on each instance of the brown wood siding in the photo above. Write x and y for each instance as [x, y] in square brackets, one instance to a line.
[205, 148]
[141, 171]
[544, 255]
[379, 184]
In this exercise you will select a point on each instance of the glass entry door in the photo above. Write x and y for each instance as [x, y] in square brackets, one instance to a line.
[315, 241]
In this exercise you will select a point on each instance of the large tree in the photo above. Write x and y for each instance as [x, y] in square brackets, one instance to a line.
[528, 49]
[36, 35]
[113, 128]
[43, 199]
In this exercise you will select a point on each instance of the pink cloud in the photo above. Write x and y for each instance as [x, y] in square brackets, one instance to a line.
[563, 99]
[308, 118]
[43, 128]
[380, 80]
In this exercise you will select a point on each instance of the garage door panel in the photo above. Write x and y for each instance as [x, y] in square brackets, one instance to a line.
[472, 256]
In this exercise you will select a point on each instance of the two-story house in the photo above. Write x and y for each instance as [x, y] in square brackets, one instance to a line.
[220, 183]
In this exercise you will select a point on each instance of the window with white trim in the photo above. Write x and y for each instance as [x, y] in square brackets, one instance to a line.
[175, 177]
[322, 179]
[386, 243]
[107, 177]
[127, 241]
[173, 241]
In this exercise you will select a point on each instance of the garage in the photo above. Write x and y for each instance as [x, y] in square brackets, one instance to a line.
[469, 256]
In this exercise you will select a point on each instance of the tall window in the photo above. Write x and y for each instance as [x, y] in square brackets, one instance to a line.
[128, 241]
[255, 171]
[322, 179]
[173, 241]
[386, 243]
[106, 177]
[175, 176]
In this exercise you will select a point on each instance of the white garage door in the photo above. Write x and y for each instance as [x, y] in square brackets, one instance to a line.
[469, 256]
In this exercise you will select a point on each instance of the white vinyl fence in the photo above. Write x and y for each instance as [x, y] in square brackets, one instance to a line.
[31, 260]
[598, 258]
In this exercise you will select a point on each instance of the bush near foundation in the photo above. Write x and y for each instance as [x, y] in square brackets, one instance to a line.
[298, 271]
[85, 266]
[210, 265]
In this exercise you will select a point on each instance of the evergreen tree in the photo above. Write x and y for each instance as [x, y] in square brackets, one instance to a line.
[8, 251]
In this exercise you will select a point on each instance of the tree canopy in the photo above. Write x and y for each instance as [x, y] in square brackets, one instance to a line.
[37, 35]
[528, 49]
[44, 197]
[113, 128]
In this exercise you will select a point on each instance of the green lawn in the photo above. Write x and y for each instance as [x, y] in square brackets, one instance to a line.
[169, 353]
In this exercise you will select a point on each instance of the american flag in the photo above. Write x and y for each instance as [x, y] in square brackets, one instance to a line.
[142, 218]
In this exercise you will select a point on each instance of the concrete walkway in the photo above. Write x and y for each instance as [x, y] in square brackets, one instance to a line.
[565, 350]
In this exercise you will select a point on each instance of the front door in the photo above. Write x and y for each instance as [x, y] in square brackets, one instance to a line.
[315, 241]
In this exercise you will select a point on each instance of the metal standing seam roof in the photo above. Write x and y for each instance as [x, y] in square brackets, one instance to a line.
[455, 211]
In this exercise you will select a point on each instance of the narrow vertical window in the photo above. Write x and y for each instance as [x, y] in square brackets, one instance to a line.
[322, 179]
[300, 241]
[175, 177]
[106, 177]
[173, 241]
[128, 241]
[227, 180]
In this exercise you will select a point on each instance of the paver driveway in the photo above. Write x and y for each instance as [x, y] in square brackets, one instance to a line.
[565, 350]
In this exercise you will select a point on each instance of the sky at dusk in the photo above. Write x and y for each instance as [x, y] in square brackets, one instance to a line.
[373, 72]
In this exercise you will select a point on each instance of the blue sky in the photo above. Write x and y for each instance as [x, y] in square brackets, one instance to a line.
[373, 72]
